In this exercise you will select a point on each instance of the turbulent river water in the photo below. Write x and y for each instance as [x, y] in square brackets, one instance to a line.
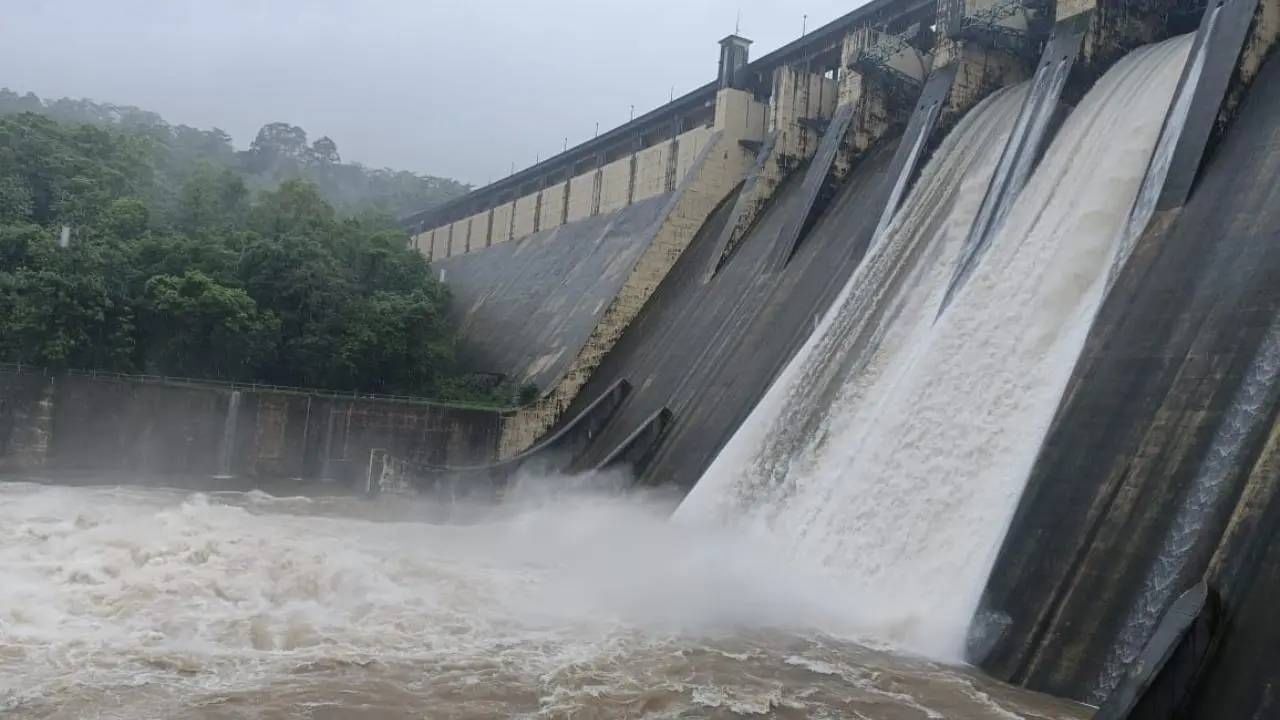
[130, 602]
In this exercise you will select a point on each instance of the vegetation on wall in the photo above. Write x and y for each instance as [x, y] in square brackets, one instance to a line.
[117, 255]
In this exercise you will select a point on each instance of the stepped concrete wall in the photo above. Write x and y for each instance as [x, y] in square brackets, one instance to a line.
[708, 348]
[524, 308]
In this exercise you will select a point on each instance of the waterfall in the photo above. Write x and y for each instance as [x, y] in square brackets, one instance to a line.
[893, 450]
[226, 451]
[899, 279]
[1158, 171]
[1019, 156]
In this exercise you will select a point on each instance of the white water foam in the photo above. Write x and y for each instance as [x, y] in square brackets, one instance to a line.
[137, 603]
[893, 452]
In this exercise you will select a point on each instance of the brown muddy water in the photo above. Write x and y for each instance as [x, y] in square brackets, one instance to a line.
[131, 602]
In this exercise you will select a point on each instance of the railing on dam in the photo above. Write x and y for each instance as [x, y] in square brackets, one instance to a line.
[148, 379]
[819, 47]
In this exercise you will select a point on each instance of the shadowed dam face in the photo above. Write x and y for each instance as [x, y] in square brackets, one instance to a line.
[893, 450]
[1162, 467]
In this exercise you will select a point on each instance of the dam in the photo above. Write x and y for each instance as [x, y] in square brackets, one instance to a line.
[930, 362]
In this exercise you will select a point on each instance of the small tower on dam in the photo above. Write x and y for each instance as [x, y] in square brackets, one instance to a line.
[735, 51]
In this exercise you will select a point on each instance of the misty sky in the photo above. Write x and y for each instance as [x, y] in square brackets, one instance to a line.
[460, 88]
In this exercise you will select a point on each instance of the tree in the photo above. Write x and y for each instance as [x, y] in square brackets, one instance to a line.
[126, 218]
[176, 267]
[277, 144]
[195, 327]
[15, 199]
[325, 152]
[212, 199]
[63, 319]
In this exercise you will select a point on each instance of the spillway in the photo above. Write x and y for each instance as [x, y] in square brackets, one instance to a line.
[893, 450]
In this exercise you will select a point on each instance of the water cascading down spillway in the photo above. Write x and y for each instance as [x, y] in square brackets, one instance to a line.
[893, 450]
[226, 450]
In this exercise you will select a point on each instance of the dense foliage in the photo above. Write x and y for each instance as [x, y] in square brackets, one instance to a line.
[202, 278]
[279, 153]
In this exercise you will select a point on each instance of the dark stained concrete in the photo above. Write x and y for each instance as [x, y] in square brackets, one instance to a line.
[1163, 365]
[708, 351]
[106, 424]
[525, 308]
[815, 178]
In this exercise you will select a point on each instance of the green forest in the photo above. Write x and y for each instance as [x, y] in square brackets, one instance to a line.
[131, 246]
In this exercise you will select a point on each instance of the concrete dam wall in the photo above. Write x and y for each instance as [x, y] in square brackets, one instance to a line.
[527, 306]
[991, 333]
[1160, 468]
[708, 349]
[71, 423]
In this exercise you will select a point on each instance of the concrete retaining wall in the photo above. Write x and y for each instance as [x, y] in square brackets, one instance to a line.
[149, 429]
[25, 420]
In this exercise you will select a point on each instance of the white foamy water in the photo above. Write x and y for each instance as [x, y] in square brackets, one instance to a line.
[893, 451]
[137, 603]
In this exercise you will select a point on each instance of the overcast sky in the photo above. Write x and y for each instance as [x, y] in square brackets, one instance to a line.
[460, 88]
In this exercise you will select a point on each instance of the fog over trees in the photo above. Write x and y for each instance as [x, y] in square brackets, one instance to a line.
[130, 245]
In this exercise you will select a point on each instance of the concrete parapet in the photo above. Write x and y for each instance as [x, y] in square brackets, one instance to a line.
[525, 210]
[502, 218]
[479, 230]
[459, 234]
[580, 194]
[421, 242]
[651, 171]
[691, 145]
[440, 243]
[615, 185]
[554, 201]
